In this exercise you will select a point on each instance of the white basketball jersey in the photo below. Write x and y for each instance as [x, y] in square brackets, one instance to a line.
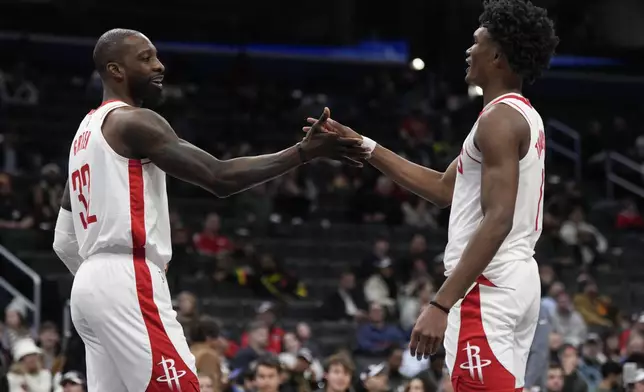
[119, 205]
[466, 213]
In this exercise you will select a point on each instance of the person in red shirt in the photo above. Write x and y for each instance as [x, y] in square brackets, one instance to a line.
[210, 242]
[629, 217]
[266, 314]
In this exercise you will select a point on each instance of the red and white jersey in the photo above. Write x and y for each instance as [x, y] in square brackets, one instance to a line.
[119, 205]
[466, 213]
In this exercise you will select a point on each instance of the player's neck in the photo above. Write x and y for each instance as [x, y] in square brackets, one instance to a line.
[495, 90]
[110, 94]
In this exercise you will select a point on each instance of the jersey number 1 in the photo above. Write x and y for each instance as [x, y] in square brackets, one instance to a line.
[80, 180]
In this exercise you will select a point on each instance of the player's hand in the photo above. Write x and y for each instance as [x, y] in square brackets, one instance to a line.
[428, 333]
[330, 125]
[319, 142]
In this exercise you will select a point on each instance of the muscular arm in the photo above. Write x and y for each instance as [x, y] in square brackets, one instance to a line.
[429, 184]
[65, 202]
[65, 244]
[498, 136]
[149, 135]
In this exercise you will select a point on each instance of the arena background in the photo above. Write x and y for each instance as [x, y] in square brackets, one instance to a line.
[241, 78]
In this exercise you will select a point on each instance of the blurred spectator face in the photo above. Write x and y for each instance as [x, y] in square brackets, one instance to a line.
[577, 215]
[378, 383]
[420, 267]
[395, 359]
[348, 281]
[291, 343]
[569, 358]
[416, 385]
[268, 317]
[591, 349]
[384, 186]
[12, 319]
[302, 365]
[418, 244]
[591, 288]
[267, 379]
[260, 337]
[338, 378]
[547, 274]
[555, 289]
[187, 303]
[612, 343]
[31, 363]
[303, 331]
[212, 224]
[5, 184]
[376, 314]
[555, 341]
[49, 339]
[635, 344]
[387, 272]
[206, 384]
[381, 248]
[555, 380]
[563, 303]
[72, 387]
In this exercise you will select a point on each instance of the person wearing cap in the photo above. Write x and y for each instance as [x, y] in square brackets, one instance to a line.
[374, 378]
[303, 377]
[27, 372]
[266, 314]
[15, 326]
[72, 382]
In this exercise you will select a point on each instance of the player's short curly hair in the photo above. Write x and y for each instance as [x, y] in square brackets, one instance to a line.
[524, 32]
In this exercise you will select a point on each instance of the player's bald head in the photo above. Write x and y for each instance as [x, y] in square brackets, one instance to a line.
[111, 47]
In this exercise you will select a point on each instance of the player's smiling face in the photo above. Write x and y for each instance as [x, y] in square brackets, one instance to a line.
[480, 57]
[144, 71]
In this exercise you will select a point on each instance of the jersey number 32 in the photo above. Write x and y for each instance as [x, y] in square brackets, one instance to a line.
[80, 186]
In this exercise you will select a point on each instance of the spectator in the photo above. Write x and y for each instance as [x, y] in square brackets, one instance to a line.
[539, 355]
[418, 254]
[375, 379]
[346, 303]
[71, 382]
[205, 346]
[13, 212]
[380, 205]
[210, 242]
[410, 307]
[12, 156]
[304, 373]
[555, 378]
[597, 310]
[303, 332]
[266, 316]
[394, 362]
[267, 374]
[611, 377]
[255, 205]
[379, 252]
[638, 385]
[420, 215]
[15, 325]
[206, 383]
[592, 352]
[187, 313]
[629, 218]
[27, 372]
[381, 286]
[573, 380]
[293, 198]
[376, 337]
[257, 344]
[612, 350]
[586, 238]
[49, 340]
[550, 300]
[568, 322]
[47, 195]
[338, 372]
[16, 89]
[294, 355]
[418, 384]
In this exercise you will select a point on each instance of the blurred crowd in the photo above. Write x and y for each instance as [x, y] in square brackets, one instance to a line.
[583, 340]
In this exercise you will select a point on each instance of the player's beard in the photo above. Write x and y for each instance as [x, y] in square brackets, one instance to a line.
[143, 90]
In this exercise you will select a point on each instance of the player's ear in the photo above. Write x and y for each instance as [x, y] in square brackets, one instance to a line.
[115, 70]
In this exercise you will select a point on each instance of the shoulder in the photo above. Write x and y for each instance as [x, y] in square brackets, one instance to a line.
[502, 121]
[128, 117]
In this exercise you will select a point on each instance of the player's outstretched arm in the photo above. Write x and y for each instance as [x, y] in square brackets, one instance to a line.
[434, 186]
[148, 135]
[499, 136]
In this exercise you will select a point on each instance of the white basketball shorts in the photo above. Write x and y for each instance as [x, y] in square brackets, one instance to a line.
[121, 308]
[490, 331]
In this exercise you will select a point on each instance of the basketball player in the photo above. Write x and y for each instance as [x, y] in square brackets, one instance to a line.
[114, 219]
[488, 307]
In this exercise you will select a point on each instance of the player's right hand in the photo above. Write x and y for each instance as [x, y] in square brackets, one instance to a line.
[331, 125]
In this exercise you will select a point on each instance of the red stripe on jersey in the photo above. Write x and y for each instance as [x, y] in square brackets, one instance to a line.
[164, 355]
[543, 179]
[501, 98]
[471, 157]
[108, 101]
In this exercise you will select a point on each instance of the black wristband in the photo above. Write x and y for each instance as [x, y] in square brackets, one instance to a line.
[300, 152]
[439, 306]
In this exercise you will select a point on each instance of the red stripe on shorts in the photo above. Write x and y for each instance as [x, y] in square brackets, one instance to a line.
[476, 368]
[169, 371]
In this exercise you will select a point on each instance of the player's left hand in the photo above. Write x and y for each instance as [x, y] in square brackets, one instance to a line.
[428, 333]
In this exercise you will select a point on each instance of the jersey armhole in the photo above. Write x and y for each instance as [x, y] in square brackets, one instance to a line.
[526, 117]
